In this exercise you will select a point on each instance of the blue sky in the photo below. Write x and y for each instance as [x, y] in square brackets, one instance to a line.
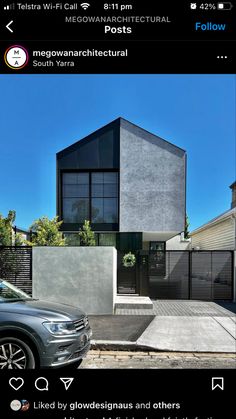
[42, 114]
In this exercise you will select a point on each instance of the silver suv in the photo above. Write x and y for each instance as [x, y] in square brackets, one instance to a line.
[36, 333]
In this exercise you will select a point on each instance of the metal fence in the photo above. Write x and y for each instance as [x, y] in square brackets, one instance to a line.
[16, 266]
[174, 274]
[212, 275]
[169, 278]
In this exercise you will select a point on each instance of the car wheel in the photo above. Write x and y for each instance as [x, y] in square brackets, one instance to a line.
[15, 354]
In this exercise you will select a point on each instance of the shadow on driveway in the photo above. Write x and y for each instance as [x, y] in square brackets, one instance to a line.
[119, 328]
[228, 305]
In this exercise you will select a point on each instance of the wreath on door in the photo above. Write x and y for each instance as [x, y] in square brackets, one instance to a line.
[129, 260]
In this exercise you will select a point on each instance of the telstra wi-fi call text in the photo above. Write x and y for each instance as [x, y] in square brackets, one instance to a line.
[51, 6]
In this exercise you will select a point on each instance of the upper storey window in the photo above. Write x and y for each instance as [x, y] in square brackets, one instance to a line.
[75, 197]
[90, 196]
[104, 197]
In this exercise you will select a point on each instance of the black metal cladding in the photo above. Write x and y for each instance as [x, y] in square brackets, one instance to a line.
[129, 242]
[97, 151]
[16, 266]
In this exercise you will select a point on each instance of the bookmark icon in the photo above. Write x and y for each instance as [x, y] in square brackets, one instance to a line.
[217, 382]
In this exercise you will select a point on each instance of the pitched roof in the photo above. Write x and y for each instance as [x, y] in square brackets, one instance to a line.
[227, 214]
[115, 122]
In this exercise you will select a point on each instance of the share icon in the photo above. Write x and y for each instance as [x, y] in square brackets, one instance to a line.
[67, 381]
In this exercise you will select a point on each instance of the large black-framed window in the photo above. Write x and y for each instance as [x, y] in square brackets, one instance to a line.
[75, 193]
[124, 242]
[104, 197]
[90, 195]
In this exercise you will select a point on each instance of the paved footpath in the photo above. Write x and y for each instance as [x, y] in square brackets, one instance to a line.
[97, 359]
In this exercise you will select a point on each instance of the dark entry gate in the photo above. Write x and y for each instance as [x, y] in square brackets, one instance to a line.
[16, 266]
[173, 283]
[200, 275]
[212, 275]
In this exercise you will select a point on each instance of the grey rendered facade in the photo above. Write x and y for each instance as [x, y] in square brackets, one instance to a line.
[152, 184]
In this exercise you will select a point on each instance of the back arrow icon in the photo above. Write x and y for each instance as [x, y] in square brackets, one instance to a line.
[8, 26]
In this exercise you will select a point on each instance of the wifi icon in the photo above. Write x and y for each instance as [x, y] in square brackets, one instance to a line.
[85, 6]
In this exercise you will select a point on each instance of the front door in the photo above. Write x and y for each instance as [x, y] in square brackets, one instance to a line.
[126, 276]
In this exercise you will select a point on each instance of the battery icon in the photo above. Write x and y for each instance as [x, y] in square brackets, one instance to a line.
[224, 6]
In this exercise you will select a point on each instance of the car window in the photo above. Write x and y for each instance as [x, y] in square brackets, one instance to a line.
[9, 292]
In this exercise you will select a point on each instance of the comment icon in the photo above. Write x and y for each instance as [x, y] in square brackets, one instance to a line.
[41, 384]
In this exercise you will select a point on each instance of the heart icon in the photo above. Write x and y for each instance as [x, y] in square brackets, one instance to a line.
[16, 383]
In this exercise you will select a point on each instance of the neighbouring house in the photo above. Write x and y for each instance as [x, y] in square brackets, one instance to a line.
[218, 233]
[23, 232]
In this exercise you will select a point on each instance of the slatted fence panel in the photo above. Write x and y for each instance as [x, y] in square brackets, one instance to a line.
[197, 275]
[174, 282]
[16, 266]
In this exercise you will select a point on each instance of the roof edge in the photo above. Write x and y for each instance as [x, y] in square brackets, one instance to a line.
[151, 133]
[115, 121]
[216, 220]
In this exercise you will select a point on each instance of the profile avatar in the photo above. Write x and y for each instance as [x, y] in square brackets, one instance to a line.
[16, 57]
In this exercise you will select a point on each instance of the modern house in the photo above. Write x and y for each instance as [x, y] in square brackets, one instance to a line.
[128, 182]
[131, 185]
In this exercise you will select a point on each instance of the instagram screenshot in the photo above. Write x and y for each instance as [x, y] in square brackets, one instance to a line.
[117, 209]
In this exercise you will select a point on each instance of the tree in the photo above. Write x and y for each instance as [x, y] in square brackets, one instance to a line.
[87, 236]
[6, 227]
[8, 264]
[186, 227]
[19, 239]
[45, 232]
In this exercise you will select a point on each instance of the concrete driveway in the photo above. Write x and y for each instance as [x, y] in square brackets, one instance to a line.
[185, 326]
[192, 326]
[191, 334]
